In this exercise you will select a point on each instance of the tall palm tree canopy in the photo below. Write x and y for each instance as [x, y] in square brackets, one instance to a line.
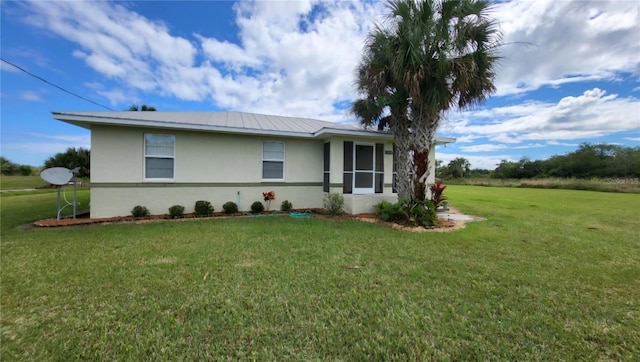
[429, 56]
[142, 108]
[441, 53]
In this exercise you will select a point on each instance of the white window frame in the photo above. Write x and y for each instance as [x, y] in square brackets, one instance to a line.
[284, 154]
[145, 156]
[360, 190]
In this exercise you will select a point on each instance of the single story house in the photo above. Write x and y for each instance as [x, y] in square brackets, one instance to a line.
[160, 159]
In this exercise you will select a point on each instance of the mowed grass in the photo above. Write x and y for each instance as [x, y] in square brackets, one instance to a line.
[21, 182]
[631, 185]
[550, 275]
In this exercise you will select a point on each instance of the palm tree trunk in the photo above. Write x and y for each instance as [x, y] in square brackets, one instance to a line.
[423, 132]
[402, 146]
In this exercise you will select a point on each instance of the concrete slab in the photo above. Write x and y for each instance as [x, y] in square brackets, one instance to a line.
[454, 217]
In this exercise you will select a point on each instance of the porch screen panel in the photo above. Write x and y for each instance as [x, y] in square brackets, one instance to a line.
[394, 181]
[325, 176]
[347, 176]
[364, 166]
[379, 183]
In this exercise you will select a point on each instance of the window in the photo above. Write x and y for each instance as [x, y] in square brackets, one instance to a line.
[159, 156]
[272, 160]
[325, 178]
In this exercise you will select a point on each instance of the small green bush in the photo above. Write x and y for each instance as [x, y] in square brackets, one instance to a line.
[203, 208]
[334, 203]
[176, 211]
[420, 213]
[286, 206]
[257, 207]
[230, 207]
[390, 211]
[140, 211]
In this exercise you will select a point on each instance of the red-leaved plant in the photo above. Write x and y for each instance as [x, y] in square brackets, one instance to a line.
[268, 196]
[437, 190]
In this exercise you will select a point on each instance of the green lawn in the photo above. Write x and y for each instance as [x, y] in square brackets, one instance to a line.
[550, 275]
[21, 182]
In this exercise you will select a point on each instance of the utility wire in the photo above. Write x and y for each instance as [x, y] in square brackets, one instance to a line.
[54, 85]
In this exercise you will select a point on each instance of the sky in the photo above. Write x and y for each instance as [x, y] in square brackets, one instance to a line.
[570, 71]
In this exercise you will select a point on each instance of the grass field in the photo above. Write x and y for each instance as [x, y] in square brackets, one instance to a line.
[21, 182]
[550, 275]
[627, 185]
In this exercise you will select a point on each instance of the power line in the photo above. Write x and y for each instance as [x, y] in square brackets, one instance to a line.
[54, 85]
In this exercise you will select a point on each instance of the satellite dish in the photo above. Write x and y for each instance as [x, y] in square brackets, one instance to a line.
[57, 175]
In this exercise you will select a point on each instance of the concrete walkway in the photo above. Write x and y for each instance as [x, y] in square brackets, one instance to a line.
[455, 215]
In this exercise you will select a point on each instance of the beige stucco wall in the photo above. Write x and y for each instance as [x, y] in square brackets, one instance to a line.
[208, 166]
[118, 201]
[118, 156]
[215, 167]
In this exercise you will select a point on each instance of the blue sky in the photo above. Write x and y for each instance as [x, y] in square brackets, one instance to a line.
[570, 74]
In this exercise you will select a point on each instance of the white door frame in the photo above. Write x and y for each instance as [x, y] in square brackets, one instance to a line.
[364, 190]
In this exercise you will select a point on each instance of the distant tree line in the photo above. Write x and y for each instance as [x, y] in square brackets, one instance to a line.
[13, 169]
[71, 159]
[588, 161]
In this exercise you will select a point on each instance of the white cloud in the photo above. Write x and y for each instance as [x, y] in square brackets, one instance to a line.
[49, 148]
[80, 140]
[8, 68]
[298, 58]
[482, 148]
[34, 148]
[294, 58]
[549, 43]
[592, 114]
[31, 96]
[636, 139]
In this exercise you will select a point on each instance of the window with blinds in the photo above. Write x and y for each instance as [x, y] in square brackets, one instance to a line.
[272, 160]
[159, 156]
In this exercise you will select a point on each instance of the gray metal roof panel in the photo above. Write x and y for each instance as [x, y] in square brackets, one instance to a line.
[233, 122]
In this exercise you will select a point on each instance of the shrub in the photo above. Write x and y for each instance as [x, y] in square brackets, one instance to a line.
[334, 203]
[390, 212]
[420, 213]
[176, 211]
[286, 206]
[203, 208]
[230, 207]
[140, 211]
[257, 207]
[431, 216]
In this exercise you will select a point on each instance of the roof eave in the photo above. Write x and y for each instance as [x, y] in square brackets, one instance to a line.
[327, 131]
[85, 121]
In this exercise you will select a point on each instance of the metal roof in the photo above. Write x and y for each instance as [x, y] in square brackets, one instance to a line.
[227, 122]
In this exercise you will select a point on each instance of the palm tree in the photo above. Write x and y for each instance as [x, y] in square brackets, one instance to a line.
[439, 55]
[376, 81]
[142, 108]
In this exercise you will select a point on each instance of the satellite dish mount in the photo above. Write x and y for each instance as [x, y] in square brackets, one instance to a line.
[60, 176]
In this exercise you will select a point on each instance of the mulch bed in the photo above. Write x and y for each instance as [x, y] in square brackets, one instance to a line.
[85, 219]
